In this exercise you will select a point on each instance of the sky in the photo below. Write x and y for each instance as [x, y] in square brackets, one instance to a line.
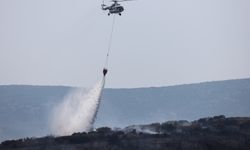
[155, 42]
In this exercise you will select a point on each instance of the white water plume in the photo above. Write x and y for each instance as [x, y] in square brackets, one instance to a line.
[78, 111]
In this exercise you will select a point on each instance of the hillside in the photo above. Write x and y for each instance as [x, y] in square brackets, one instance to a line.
[25, 110]
[216, 133]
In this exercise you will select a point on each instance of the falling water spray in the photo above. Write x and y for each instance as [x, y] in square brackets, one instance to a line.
[78, 111]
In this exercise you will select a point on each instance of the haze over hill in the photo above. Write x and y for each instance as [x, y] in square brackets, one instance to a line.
[25, 110]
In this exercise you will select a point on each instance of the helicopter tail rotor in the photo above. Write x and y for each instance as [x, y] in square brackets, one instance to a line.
[103, 5]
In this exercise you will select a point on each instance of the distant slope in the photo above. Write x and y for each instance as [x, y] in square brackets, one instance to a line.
[24, 110]
[130, 106]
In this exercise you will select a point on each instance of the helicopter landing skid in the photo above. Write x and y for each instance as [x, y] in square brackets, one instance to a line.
[118, 14]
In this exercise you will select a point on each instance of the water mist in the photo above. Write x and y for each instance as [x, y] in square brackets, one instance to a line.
[78, 111]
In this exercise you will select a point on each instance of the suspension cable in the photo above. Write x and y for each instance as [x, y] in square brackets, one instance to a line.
[110, 42]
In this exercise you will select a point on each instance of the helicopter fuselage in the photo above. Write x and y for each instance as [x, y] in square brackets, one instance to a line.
[114, 9]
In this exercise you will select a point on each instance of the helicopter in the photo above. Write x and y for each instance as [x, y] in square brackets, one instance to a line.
[115, 8]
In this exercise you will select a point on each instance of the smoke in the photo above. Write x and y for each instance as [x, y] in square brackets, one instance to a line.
[78, 111]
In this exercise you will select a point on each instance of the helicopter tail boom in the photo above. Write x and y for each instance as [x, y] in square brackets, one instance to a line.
[104, 7]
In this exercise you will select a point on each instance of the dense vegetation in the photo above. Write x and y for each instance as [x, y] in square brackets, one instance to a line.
[217, 133]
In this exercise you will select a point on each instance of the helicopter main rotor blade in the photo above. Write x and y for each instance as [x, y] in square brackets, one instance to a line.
[121, 0]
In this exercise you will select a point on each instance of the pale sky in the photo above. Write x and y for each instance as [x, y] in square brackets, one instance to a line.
[156, 42]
